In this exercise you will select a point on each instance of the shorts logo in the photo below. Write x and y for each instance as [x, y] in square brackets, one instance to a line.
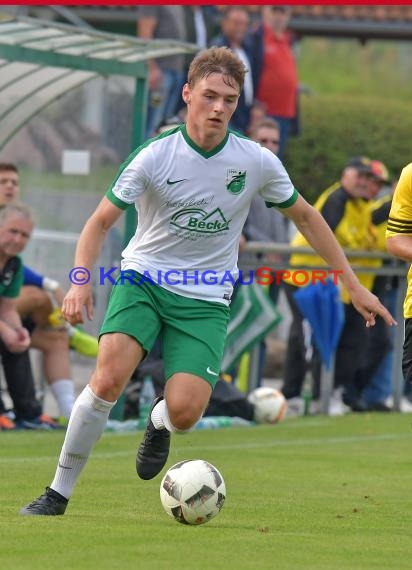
[235, 180]
[199, 221]
[209, 371]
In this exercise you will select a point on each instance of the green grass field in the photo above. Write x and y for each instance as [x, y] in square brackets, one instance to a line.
[309, 493]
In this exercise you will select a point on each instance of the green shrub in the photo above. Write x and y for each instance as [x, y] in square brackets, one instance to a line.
[335, 128]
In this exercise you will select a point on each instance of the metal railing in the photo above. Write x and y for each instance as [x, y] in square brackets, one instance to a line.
[254, 256]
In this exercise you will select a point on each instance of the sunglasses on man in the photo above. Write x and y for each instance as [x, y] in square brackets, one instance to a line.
[267, 141]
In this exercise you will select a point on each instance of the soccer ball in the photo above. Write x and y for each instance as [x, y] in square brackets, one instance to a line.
[192, 491]
[270, 405]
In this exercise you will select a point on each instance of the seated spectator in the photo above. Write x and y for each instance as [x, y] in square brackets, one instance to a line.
[39, 306]
[48, 289]
[52, 341]
[16, 225]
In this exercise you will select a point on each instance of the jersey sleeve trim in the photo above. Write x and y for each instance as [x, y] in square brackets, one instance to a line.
[287, 203]
[397, 226]
[115, 200]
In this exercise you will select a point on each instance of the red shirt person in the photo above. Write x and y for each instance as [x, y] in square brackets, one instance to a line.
[278, 82]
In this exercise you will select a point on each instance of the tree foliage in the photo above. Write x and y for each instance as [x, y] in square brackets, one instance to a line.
[334, 128]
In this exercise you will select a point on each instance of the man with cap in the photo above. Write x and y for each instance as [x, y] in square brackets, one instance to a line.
[373, 381]
[346, 209]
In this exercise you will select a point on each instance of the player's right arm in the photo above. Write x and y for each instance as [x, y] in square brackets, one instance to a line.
[87, 250]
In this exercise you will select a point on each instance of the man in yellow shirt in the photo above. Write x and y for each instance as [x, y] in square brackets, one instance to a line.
[373, 382]
[346, 210]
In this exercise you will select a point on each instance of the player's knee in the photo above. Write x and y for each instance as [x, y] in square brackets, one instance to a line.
[57, 340]
[36, 296]
[183, 423]
[106, 385]
[183, 418]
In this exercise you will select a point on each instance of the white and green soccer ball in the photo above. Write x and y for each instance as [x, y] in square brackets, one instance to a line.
[192, 492]
[270, 405]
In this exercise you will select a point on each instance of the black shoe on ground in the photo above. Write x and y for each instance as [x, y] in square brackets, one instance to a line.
[49, 504]
[43, 422]
[154, 449]
[359, 405]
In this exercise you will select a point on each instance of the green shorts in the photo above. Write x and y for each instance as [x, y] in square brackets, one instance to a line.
[193, 331]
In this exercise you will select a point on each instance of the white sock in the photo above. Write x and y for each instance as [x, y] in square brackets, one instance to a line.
[63, 391]
[160, 419]
[87, 422]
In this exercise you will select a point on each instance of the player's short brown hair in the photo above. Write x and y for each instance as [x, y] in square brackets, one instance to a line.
[217, 60]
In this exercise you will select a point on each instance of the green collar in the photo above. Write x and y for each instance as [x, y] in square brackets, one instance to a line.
[195, 147]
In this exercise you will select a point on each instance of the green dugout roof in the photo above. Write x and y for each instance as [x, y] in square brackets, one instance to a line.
[41, 60]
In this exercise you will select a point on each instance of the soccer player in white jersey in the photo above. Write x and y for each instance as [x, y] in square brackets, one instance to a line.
[192, 188]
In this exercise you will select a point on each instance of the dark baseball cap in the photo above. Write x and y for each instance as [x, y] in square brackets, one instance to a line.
[361, 163]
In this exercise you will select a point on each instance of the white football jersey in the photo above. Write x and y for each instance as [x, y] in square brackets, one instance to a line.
[192, 206]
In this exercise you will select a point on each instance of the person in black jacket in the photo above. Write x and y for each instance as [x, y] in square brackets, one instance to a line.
[235, 35]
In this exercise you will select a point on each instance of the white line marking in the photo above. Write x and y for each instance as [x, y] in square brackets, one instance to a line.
[225, 447]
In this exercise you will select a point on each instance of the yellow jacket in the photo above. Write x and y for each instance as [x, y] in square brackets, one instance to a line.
[350, 220]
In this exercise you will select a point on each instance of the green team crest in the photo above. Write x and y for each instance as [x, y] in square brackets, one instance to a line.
[235, 180]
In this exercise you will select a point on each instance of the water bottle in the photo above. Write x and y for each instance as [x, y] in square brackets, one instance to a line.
[214, 422]
[147, 395]
[121, 426]
[56, 319]
[307, 394]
